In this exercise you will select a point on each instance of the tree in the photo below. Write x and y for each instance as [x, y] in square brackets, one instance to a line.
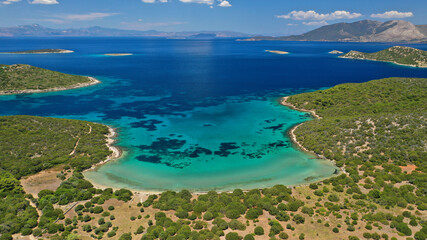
[249, 237]
[126, 236]
[403, 228]
[253, 213]
[259, 231]
[208, 216]
[298, 219]
[283, 235]
[232, 236]
[420, 235]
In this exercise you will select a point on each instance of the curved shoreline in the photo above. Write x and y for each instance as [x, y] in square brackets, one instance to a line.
[292, 135]
[92, 81]
[117, 151]
[143, 193]
[393, 62]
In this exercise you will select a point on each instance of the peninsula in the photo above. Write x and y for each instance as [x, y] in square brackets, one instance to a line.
[21, 78]
[406, 56]
[41, 51]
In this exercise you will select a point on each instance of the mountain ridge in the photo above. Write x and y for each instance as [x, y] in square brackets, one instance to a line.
[36, 30]
[360, 31]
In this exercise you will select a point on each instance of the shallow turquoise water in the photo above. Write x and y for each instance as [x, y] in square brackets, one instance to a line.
[261, 154]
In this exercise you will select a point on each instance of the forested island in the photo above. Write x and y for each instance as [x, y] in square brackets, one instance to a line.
[21, 78]
[41, 51]
[374, 130]
[398, 54]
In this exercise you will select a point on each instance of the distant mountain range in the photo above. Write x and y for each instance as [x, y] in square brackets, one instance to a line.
[361, 31]
[36, 30]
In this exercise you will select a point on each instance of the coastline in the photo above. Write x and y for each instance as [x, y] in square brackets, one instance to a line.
[59, 51]
[277, 52]
[117, 152]
[291, 131]
[393, 62]
[92, 81]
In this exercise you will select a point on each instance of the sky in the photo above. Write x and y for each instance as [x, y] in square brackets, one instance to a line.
[267, 17]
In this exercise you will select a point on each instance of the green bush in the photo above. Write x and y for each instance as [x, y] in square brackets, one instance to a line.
[259, 231]
[232, 236]
[249, 237]
[126, 236]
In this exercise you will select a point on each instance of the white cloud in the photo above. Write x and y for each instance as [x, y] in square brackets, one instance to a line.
[292, 24]
[44, 2]
[49, 20]
[313, 15]
[87, 17]
[209, 2]
[7, 2]
[224, 4]
[393, 14]
[314, 23]
[141, 25]
[221, 3]
[153, 1]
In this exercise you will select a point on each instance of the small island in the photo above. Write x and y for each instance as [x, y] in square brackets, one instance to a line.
[118, 54]
[41, 51]
[21, 78]
[406, 56]
[335, 52]
[277, 52]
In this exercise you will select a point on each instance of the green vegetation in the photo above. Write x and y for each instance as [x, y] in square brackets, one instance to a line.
[397, 54]
[31, 144]
[16, 214]
[41, 51]
[25, 78]
[369, 123]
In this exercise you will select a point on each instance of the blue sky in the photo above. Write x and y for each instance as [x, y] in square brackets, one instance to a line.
[278, 17]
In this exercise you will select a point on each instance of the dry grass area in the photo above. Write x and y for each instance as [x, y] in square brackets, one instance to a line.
[408, 168]
[313, 228]
[46, 179]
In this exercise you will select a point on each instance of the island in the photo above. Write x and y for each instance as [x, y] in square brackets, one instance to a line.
[335, 52]
[406, 56]
[118, 54]
[21, 78]
[41, 51]
[277, 52]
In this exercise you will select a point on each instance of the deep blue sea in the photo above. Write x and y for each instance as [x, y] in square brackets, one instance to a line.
[195, 114]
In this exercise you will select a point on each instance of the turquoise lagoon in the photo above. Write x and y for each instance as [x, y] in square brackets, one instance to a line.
[223, 147]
